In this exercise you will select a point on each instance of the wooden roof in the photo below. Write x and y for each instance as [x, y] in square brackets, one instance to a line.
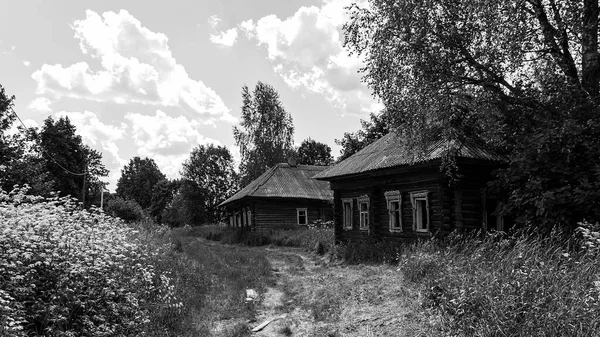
[391, 151]
[285, 181]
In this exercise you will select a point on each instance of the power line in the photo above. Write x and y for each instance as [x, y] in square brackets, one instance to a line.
[43, 150]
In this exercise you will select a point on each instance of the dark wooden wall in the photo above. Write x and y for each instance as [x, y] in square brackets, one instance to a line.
[450, 205]
[281, 213]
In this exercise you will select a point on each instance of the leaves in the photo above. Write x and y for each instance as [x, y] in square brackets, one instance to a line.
[265, 134]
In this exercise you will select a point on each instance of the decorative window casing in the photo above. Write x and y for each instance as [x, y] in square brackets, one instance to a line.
[302, 216]
[347, 213]
[394, 206]
[363, 209]
[249, 216]
[420, 205]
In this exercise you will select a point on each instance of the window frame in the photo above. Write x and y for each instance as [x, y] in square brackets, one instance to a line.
[390, 197]
[305, 210]
[363, 200]
[415, 197]
[347, 226]
[249, 216]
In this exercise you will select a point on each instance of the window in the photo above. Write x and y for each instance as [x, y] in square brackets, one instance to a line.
[394, 202]
[420, 206]
[363, 208]
[347, 213]
[231, 220]
[249, 215]
[302, 216]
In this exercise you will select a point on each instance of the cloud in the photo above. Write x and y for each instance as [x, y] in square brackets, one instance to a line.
[213, 21]
[226, 38]
[168, 140]
[99, 136]
[26, 63]
[306, 51]
[41, 104]
[136, 66]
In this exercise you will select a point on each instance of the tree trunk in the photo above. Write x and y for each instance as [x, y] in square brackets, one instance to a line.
[590, 63]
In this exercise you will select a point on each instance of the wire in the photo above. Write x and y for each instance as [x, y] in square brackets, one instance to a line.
[43, 150]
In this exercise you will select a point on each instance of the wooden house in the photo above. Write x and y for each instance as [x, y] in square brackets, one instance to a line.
[388, 191]
[285, 196]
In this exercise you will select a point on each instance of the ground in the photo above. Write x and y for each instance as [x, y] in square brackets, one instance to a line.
[313, 296]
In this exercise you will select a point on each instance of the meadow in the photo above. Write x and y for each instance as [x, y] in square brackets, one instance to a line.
[69, 272]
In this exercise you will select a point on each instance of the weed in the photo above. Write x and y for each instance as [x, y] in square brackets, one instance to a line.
[286, 330]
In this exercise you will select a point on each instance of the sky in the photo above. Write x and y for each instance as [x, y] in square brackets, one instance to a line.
[156, 79]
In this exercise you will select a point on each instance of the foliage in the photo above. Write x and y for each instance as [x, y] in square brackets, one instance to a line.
[20, 161]
[62, 150]
[265, 134]
[208, 179]
[519, 285]
[311, 239]
[138, 178]
[368, 251]
[312, 152]
[66, 271]
[377, 127]
[162, 195]
[127, 209]
[520, 77]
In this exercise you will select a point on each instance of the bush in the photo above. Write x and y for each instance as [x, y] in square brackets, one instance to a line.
[369, 251]
[126, 209]
[519, 285]
[66, 271]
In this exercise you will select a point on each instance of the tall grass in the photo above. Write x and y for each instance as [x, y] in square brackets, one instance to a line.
[320, 240]
[499, 285]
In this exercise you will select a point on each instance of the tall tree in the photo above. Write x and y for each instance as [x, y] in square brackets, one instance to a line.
[73, 166]
[265, 134]
[312, 152]
[138, 179]
[352, 142]
[162, 195]
[520, 76]
[208, 178]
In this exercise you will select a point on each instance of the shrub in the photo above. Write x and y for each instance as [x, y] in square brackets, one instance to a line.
[496, 284]
[369, 251]
[126, 209]
[66, 271]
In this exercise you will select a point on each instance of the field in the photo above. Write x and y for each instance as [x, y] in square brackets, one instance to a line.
[68, 272]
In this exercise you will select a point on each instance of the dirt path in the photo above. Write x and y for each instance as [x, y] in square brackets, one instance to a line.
[317, 298]
[313, 297]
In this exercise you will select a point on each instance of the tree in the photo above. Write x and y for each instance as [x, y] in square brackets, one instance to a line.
[518, 76]
[265, 133]
[162, 195]
[312, 152]
[377, 127]
[208, 179]
[68, 161]
[138, 179]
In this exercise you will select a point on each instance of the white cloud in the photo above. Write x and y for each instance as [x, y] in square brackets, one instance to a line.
[26, 63]
[100, 137]
[137, 66]
[168, 140]
[213, 21]
[306, 50]
[226, 38]
[41, 104]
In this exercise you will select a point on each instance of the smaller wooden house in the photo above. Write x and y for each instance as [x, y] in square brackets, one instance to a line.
[388, 190]
[285, 196]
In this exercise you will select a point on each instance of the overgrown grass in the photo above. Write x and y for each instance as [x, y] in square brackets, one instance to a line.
[319, 240]
[65, 271]
[499, 285]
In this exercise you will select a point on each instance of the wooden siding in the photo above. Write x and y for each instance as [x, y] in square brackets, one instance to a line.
[451, 206]
[281, 213]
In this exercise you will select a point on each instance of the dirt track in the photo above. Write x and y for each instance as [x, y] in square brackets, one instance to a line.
[313, 297]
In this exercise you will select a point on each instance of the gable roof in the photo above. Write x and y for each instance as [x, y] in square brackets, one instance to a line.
[391, 151]
[285, 181]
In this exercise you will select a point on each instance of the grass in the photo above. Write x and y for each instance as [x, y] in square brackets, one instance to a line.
[319, 240]
[211, 282]
[499, 285]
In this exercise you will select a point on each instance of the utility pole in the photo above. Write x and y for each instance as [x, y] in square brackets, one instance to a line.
[83, 188]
